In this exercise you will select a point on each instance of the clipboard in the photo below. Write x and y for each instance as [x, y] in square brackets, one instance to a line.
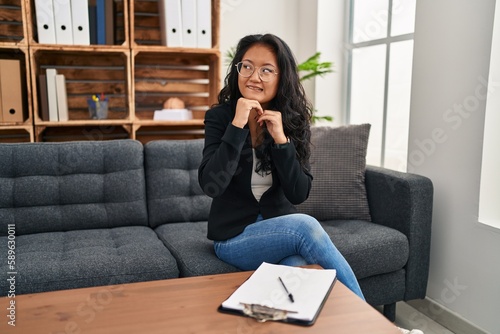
[263, 297]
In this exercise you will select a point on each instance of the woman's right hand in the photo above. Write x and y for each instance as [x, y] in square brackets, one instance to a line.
[243, 108]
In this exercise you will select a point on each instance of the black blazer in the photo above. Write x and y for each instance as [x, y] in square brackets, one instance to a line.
[225, 175]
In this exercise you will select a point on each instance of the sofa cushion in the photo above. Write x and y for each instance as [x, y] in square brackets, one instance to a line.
[370, 249]
[173, 191]
[48, 187]
[193, 251]
[75, 259]
[338, 162]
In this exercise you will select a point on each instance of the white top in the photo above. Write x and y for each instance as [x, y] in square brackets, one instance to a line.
[259, 183]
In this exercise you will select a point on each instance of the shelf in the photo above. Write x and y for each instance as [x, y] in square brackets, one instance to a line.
[135, 72]
[159, 75]
[175, 130]
[191, 123]
[74, 132]
[13, 30]
[87, 72]
[16, 134]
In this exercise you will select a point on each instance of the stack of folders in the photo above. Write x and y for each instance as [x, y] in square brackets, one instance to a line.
[11, 100]
[53, 96]
[79, 22]
[282, 293]
[186, 23]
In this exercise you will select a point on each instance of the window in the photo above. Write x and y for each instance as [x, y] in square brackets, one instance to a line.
[379, 76]
[489, 210]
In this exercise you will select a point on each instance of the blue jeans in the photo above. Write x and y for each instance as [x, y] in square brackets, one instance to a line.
[293, 240]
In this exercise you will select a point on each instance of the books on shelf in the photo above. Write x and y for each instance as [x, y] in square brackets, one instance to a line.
[50, 74]
[53, 96]
[44, 101]
[77, 22]
[186, 23]
[62, 98]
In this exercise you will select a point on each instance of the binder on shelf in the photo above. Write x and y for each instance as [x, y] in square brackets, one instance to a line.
[62, 99]
[92, 13]
[170, 22]
[101, 21]
[110, 21]
[63, 22]
[44, 102]
[45, 22]
[52, 94]
[11, 91]
[188, 10]
[204, 23]
[282, 293]
[80, 20]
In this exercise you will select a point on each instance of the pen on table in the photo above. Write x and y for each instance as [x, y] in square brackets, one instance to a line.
[284, 286]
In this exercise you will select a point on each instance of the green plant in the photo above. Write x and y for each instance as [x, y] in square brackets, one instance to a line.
[312, 68]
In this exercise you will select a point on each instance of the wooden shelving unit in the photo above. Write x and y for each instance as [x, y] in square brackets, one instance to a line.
[137, 74]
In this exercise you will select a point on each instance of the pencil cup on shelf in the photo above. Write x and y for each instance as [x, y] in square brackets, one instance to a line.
[98, 108]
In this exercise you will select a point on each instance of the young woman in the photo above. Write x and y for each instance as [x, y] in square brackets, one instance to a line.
[255, 165]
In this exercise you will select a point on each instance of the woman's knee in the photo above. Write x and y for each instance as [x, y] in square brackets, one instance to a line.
[310, 226]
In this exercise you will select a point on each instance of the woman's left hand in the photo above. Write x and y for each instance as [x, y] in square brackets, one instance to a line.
[274, 125]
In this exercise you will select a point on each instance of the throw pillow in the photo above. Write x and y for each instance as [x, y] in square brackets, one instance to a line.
[338, 162]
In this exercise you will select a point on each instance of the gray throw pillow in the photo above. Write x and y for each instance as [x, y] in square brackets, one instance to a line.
[338, 162]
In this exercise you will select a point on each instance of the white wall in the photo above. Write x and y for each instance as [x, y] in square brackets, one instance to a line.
[451, 64]
[244, 17]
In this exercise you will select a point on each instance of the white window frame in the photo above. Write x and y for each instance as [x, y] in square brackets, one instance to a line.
[387, 41]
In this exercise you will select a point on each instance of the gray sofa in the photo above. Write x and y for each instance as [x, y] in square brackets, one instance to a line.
[80, 214]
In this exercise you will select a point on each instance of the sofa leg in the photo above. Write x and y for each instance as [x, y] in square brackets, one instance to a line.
[390, 312]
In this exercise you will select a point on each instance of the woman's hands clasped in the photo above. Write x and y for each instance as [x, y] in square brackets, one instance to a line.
[271, 119]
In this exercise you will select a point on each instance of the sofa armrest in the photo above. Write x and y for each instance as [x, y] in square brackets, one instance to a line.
[403, 201]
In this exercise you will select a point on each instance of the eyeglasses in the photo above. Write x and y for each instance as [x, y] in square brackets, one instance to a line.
[266, 73]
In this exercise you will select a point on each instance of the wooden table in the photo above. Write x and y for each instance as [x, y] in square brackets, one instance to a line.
[184, 305]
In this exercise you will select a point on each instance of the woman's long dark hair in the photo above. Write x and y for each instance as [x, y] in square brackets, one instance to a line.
[290, 99]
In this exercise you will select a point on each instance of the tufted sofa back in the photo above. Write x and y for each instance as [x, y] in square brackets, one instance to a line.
[48, 187]
[174, 194]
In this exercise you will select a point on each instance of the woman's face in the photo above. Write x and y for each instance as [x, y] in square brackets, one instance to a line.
[253, 88]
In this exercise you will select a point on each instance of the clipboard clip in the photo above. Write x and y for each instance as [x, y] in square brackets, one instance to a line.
[264, 313]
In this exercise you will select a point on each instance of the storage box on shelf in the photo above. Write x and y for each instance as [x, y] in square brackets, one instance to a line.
[13, 30]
